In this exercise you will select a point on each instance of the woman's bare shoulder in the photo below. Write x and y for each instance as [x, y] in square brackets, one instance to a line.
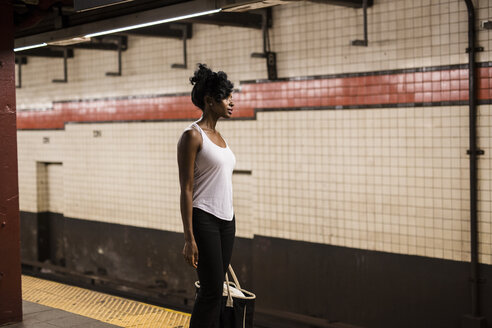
[189, 138]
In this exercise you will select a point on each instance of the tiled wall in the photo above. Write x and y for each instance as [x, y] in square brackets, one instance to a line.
[309, 38]
[127, 175]
[389, 179]
[392, 179]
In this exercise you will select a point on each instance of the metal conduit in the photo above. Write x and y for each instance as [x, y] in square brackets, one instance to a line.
[474, 320]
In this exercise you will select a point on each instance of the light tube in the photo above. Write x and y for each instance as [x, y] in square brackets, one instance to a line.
[162, 21]
[31, 47]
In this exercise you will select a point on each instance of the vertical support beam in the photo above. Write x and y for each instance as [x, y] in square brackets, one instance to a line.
[10, 267]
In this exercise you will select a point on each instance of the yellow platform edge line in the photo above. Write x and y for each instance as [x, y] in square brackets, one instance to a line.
[96, 305]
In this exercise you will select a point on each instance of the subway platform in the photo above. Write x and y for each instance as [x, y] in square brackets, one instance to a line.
[48, 304]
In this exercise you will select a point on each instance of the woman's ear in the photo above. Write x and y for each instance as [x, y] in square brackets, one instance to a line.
[208, 100]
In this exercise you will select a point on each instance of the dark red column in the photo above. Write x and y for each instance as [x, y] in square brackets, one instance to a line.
[10, 267]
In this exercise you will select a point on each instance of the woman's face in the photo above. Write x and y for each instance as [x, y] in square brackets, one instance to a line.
[224, 107]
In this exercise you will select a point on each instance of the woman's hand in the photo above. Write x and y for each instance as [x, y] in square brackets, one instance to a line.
[190, 253]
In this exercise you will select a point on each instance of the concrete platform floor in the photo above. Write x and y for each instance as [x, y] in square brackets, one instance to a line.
[50, 304]
[41, 316]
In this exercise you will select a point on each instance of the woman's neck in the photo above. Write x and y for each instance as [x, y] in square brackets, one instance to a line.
[208, 122]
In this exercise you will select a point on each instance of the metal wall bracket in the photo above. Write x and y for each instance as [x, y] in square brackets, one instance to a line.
[365, 42]
[120, 46]
[271, 57]
[479, 280]
[477, 49]
[20, 60]
[486, 25]
[184, 31]
[477, 152]
[65, 73]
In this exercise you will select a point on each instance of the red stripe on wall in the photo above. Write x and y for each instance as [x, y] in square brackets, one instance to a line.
[418, 87]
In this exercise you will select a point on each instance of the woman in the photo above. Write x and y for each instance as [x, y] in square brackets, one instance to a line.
[205, 173]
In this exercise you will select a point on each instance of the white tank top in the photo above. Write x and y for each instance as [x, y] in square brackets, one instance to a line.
[212, 188]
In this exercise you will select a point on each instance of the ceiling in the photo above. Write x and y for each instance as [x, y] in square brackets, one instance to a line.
[38, 21]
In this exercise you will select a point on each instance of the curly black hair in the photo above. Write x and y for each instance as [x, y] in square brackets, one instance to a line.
[208, 83]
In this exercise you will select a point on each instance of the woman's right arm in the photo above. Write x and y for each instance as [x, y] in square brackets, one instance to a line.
[188, 146]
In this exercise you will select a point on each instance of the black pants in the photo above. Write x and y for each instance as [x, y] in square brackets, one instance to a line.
[215, 239]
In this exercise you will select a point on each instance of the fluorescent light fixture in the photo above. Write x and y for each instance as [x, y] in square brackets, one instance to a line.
[64, 43]
[255, 4]
[31, 47]
[162, 21]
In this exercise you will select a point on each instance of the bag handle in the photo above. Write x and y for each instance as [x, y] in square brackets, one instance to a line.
[229, 302]
[233, 274]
